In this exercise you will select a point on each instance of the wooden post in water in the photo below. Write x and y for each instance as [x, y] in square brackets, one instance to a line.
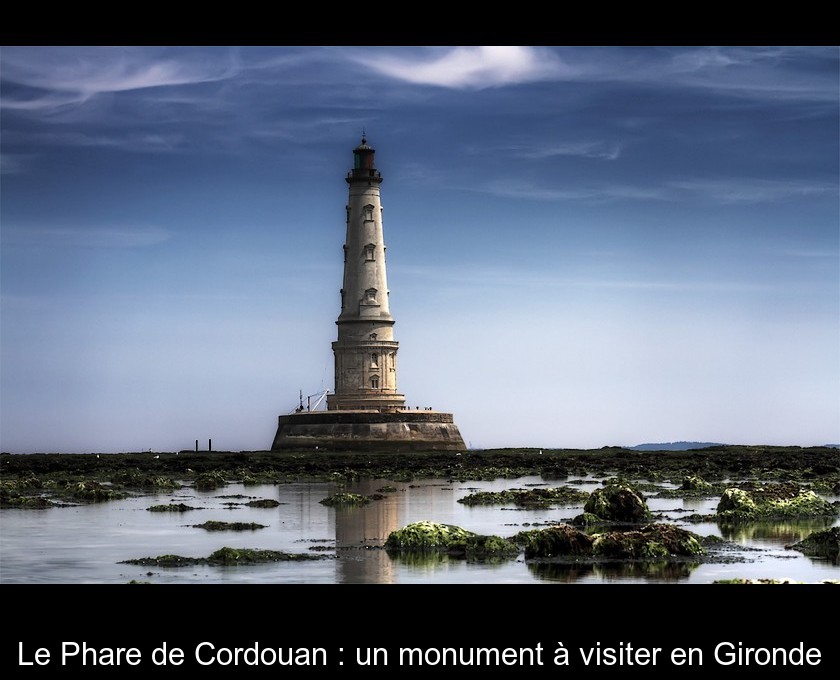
[196, 445]
[209, 444]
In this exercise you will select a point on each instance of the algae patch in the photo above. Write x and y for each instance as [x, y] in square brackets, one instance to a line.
[263, 503]
[651, 542]
[225, 557]
[215, 525]
[618, 501]
[170, 507]
[820, 544]
[349, 499]
[529, 498]
[772, 501]
[455, 541]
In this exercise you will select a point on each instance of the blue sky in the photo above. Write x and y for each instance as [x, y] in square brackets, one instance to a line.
[587, 246]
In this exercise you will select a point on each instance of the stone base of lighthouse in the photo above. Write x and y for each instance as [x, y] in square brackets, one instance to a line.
[390, 432]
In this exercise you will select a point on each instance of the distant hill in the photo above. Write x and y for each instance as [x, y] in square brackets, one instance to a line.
[673, 446]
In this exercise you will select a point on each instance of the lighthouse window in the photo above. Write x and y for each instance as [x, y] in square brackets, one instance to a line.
[368, 212]
[374, 360]
[370, 296]
[374, 382]
[369, 250]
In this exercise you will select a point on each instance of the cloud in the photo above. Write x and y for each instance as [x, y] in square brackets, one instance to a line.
[132, 141]
[75, 74]
[15, 163]
[609, 151]
[487, 278]
[61, 237]
[774, 73]
[739, 190]
[468, 67]
[725, 191]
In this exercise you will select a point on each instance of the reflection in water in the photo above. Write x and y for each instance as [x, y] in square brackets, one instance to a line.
[357, 530]
[613, 571]
[785, 531]
[89, 543]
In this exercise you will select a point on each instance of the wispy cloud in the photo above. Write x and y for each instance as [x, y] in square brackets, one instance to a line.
[608, 151]
[130, 141]
[70, 75]
[109, 69]
[503, 278]
[724, 191]
[14, 163]
[748, 72]
[64, 237]
[746, 190]
[466, 67]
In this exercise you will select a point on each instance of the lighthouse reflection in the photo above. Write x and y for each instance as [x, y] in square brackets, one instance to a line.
[361, 531]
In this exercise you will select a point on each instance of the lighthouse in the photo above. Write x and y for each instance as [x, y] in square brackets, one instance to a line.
[365, 352]
[365, 411]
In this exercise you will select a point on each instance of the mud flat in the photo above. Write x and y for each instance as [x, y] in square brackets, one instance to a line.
[812, 464]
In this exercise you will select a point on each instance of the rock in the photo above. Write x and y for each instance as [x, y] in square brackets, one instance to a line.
[771, 502]
[353, 499]
[171, 507]
[426, 535]
[208, 481]
[618, 502]
[820, 544]
[695, 483]
[587, 519]
[651, 542]
[554, 541]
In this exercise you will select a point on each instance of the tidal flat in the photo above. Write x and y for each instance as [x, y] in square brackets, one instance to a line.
[69, 518]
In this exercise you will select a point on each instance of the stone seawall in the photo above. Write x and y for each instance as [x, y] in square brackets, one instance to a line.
[402, 431]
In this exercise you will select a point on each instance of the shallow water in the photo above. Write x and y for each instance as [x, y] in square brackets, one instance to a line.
[87, 543]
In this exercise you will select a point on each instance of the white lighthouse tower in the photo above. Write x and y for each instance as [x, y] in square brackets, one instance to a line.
[365, 412]
[365, 352]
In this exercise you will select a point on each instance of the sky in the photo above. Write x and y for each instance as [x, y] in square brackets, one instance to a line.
[587, 245]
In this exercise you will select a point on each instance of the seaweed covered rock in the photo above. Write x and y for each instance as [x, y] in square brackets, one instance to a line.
[426, 535]
[695, 483]
[170, 507]
[88, 490]
[432, 537]
[527, 498]
[772, 501]
[820, 544]
[587, 520]
[618, 501]
[238, 556]
[558, 540]
[136, 479]
[225, 557]
[263, 503]
[651, 542]
[345, 499]
[208, 481]
[216, 525]
[9, 499]
[479, 547]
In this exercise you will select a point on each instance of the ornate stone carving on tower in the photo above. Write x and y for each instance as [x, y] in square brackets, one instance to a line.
[365, 411]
